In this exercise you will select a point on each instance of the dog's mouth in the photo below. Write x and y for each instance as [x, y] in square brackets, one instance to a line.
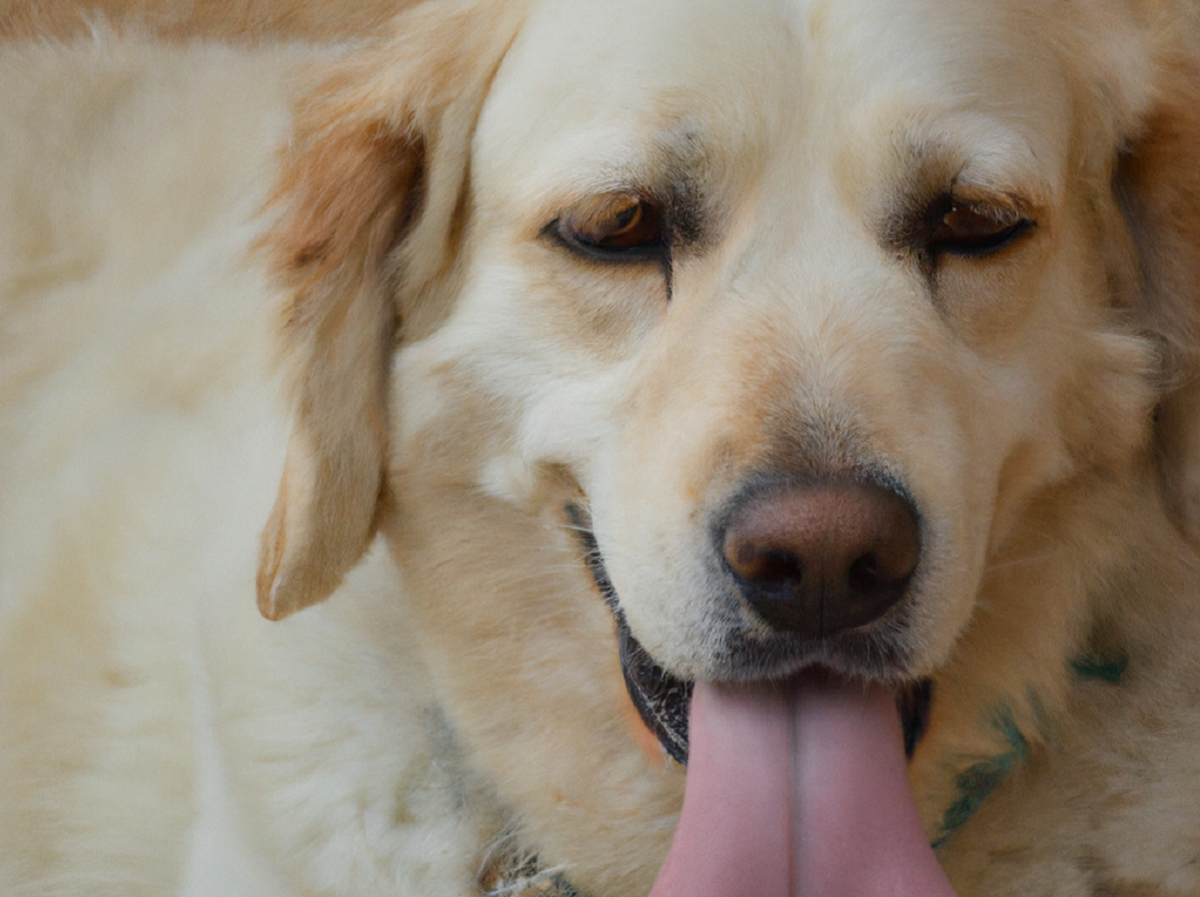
[791, 784]
[664, 701]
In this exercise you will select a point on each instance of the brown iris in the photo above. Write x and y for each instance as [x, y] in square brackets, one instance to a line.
[613, 226]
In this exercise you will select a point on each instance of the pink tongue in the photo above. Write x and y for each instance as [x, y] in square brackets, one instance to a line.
[798, 790]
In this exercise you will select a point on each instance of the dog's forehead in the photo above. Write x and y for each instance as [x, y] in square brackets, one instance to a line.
[609, 83]
[598, 92]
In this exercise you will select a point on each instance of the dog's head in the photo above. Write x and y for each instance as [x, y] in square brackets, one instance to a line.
[810, 333]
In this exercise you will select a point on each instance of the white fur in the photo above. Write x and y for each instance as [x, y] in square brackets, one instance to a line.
[456, 705]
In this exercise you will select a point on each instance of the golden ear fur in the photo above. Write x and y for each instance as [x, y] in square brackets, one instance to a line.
[1160, 185]
[378, 158]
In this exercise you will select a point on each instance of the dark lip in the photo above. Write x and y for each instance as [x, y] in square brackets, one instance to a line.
[663, 701]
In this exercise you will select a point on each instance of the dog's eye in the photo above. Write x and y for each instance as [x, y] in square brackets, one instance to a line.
[969, 229]
[614, 226]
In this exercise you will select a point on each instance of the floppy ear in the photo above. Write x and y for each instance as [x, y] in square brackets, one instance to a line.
[1160, 185]
[366, 202]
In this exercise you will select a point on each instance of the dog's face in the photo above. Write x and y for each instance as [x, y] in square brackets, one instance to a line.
[761, 263]
[770, 328]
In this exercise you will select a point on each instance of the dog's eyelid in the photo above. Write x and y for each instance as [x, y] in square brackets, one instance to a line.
[971, 224]
[616, 226]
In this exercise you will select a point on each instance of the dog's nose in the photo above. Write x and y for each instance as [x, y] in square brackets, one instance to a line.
[817, 558]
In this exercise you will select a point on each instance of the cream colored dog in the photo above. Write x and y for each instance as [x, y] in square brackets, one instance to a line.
[787, 360]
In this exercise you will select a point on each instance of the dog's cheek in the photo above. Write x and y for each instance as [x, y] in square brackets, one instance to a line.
[475, 502]
[523, 654]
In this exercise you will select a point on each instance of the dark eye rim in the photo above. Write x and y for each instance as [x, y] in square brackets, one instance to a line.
[980, 247]
[1012, 227]
[560, 231]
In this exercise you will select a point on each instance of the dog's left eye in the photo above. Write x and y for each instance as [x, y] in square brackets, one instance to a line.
[613, 227]
[970, 229]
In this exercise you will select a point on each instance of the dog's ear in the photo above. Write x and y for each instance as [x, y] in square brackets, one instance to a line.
[1159, 183]
[366, 204]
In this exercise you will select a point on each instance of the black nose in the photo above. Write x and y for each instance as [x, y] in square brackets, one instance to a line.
[821, 557]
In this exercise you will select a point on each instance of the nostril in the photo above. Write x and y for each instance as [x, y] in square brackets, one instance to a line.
[871, 573]
[864, 573]
[766, 565]
[817, 558]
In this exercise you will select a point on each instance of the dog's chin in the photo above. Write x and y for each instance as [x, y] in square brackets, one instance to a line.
[663, 700]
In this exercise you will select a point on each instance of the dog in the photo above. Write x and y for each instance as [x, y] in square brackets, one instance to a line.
[438, 444]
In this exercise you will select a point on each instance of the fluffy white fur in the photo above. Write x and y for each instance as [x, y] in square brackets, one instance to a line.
[260, 303]
[135, 678]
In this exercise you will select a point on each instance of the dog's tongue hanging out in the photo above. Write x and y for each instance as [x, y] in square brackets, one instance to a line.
[798, 790]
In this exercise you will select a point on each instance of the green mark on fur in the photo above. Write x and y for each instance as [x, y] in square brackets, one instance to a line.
[1012, 733]
[976, 782]
[1109, 669]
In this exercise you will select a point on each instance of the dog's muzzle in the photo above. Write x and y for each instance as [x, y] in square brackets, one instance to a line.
[777, 544]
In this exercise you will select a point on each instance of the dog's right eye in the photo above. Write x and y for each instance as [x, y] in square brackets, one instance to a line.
[971, 230]
[613, 227]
